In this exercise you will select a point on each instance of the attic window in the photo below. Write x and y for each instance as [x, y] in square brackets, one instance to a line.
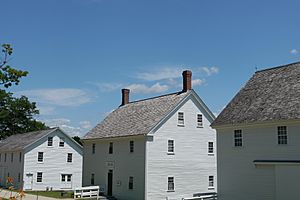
[50, 141]
[62, 142]
[180, 119]
[238, 138]
[199, 121]
[111, 148]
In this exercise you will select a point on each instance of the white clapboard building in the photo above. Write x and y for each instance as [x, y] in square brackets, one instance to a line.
[258, 138]
[156, 148]
[41, 160]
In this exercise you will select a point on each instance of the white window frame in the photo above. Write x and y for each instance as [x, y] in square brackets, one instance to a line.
[40, 157]
[282, 135]
[180, 118]
[211, 149]
[39, 177]
[69, 157]
[171, 147]
[50, 141]
[61, 142]
[238, 138]
[130, 183]
[199, 121]
[211, 183]
[171, 184]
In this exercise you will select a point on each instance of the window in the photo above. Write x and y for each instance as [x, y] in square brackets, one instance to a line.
[199, 120]
[12, 157]
[69, 158]
[20, 157]
[62, 142]
[92, 179]
[130, 184]
[210, 147]
[131, 146]
[50, 141]
[0, 157]
[171, 146]
[39, 177]
[40, 156]
[180, 119]
[19, 177]
[5, 156]
[211, 181]
[93, 148]
[111, 148]
[238, 139]
[66, 177]
[282, 135]
[171, 185]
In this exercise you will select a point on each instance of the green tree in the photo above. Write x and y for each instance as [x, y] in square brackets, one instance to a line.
[16, 114]
[78, 140]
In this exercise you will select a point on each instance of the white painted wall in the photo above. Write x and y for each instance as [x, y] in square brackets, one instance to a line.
[125, 164]
[55, 163]
[13, 169]
[240, 178]
[190, 165]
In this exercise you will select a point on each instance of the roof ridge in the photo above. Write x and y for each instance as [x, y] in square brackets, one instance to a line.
[150, 98]
[280, 66]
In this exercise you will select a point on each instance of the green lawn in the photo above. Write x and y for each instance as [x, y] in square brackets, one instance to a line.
[53, 194]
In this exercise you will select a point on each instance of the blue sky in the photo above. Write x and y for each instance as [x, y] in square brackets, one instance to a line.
[80, 53]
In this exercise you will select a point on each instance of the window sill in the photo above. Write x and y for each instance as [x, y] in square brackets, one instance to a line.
[40, 162]
[170, 190]
[170, 153]
[211, 188]
[211, 154]
[180, 125]
[199, 126]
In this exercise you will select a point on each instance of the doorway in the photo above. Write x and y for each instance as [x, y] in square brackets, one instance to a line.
[109, 182]
[28, 182]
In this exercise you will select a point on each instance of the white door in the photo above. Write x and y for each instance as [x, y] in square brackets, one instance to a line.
[28, 181]
[66, 181]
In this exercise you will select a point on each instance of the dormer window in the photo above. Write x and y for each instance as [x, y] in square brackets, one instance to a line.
[180, 119]
[199, 121]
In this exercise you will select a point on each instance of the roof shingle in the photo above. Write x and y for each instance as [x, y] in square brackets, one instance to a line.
[270, 95]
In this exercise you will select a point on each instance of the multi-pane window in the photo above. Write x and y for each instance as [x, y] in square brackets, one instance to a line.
[69, 158]
[238, 138]
[171, 146]
[199, 120]
[12, 157]
[171, 185]
[66, 177]
[282, 135]
[92, 179]
[210, 147]
[40, 156]
[111, 148]
[93, 148]
[20, 157]
[211, 181]
[50, 141]
[180, 118]
[130, 184]
[5, 156]
[61, 142]
[39, 177]
[131, 146]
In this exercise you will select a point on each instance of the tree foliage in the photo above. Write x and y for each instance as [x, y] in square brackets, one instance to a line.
[16, 114]
[78, 140]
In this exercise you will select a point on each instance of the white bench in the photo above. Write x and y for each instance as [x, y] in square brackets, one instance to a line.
[86, 192]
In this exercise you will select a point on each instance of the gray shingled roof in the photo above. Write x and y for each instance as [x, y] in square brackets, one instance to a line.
[270, 95]
[20, 141]
[136, 118]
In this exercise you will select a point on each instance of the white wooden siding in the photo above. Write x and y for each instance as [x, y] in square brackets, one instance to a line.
[55, 163]
[190, 165]
[240, 178]
[123, 163]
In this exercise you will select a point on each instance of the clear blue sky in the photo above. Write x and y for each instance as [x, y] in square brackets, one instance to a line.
[80, 53]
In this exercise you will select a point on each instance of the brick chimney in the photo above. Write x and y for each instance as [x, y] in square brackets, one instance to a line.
[125, 96]
[187, 80]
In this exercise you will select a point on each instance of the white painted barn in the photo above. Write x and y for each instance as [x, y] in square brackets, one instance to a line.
[258, 138]
[41, 160]
[156, 148]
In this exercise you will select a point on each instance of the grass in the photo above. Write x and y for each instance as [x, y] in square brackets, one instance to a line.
[53, 194]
